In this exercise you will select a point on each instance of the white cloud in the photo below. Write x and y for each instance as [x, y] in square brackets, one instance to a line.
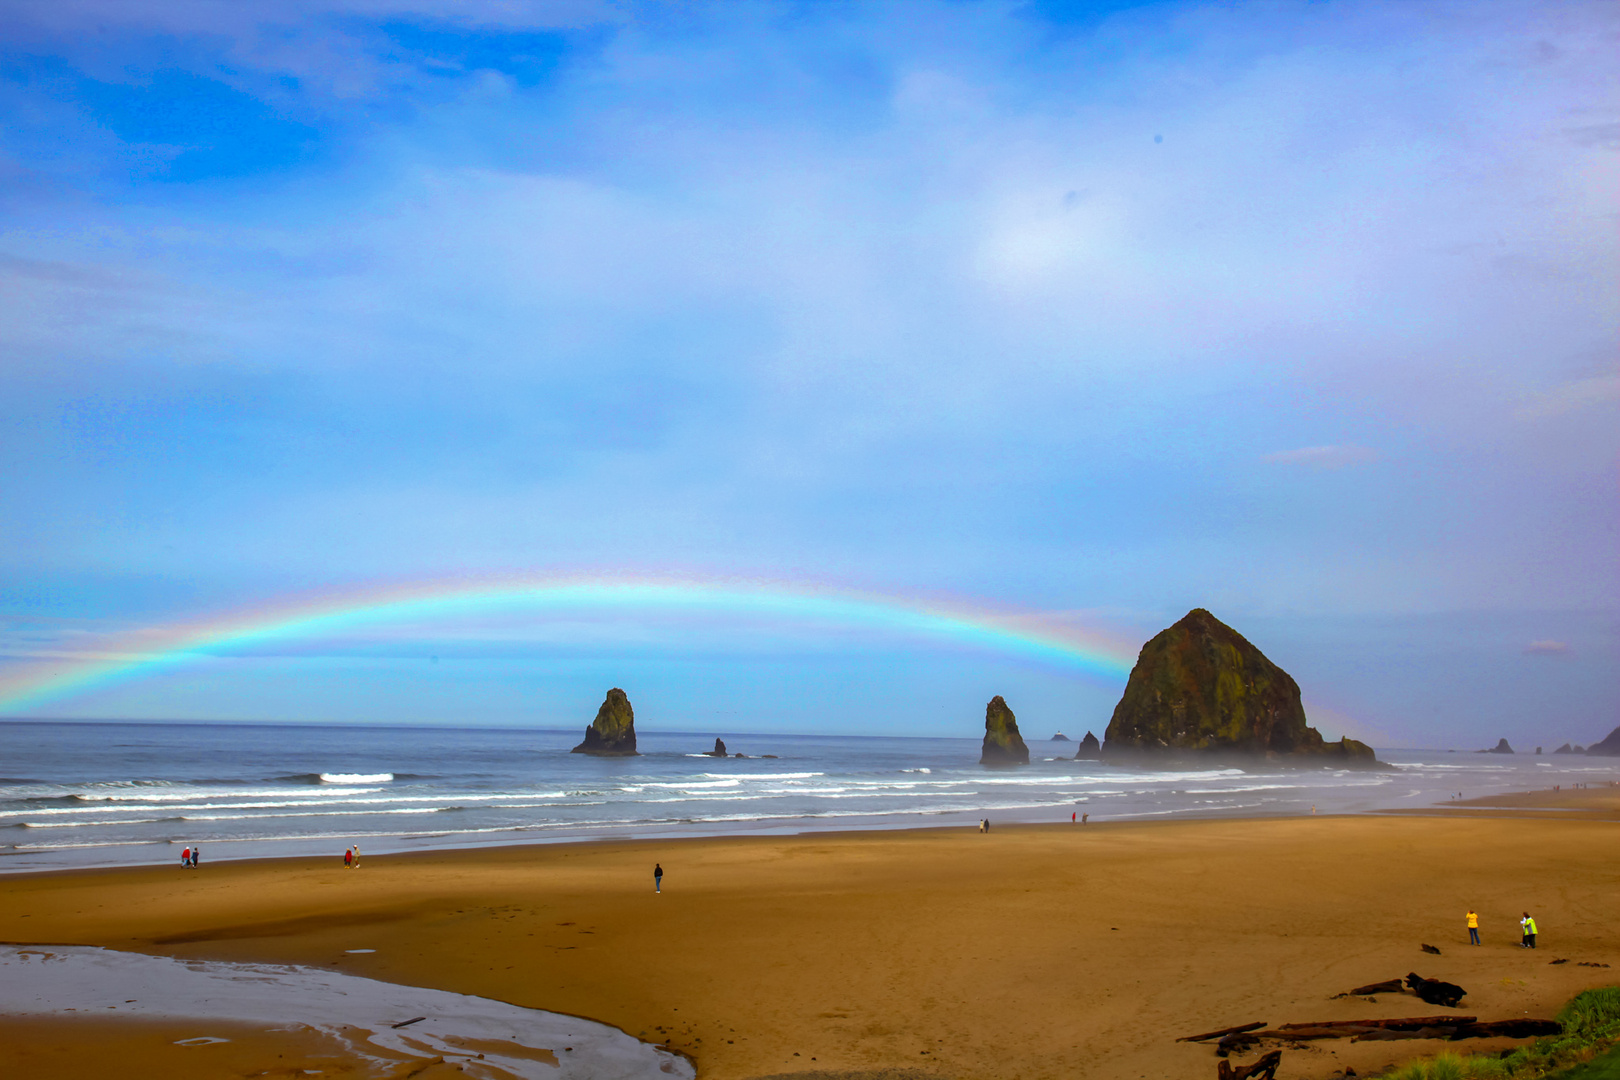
[1547, 647]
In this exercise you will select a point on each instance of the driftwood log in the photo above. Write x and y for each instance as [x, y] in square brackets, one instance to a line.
[1262, 1068]
[1388, 986]
[1404, 1027]
[1235, 1042]
[1430, 949]
[1398, 1022]
[1223, 1031]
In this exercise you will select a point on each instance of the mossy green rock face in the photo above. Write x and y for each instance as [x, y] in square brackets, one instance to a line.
[1200, 686]
[613, 732]
[1002, 743]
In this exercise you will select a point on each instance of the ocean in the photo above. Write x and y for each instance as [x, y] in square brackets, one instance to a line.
[101, 794]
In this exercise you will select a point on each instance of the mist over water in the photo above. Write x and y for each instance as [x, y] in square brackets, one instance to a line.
[130, 794]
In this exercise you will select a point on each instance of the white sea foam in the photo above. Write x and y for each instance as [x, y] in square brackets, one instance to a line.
[356, 778]
[361, 1013]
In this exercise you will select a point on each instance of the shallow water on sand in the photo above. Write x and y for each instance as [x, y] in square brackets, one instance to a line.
[124, 794]
[376, 1021]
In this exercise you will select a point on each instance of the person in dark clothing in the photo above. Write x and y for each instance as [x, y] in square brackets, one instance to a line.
[658, 877]
[196, 853]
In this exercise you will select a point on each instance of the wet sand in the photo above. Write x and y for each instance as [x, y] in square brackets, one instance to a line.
[1029, 952]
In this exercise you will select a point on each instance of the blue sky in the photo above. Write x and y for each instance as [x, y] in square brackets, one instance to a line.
[1305, 313]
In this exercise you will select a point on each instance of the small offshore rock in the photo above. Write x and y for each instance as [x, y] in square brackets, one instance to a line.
[613, 732]
[1060, 737]
[1501, 747]
[1003, 745]
[719, 749]
[1090, 748]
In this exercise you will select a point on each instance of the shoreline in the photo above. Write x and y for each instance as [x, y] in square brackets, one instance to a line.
[1016, 953]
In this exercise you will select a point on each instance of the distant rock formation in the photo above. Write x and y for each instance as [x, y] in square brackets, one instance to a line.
[1200, 686]
[1060, 737]
[1609, 747]
[1090, 748]
[719, 749]
[1002, 743]
[1568, 749]
[613, 732]
[1501, 747]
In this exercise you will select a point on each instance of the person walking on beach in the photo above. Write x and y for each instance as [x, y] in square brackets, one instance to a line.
[658, 877]
[348, 858]
[196, 853]
[1529, 925]
[185, 858]
[357, 856]
[1473, 927]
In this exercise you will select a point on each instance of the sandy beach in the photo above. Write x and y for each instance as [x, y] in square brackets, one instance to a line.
[1028, 952]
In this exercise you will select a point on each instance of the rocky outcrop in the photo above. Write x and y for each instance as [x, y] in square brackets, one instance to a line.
[719, 749]
[1090, 748]
[1060, 737]
[1501, 747]
[1609, 747]
[613, 732]
[1200, 687]
[1568, 749]
[1002, 743]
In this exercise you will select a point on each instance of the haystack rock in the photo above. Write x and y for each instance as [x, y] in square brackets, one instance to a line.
[1201, 687]
[1609, 747]
[613, 732]
[719, 749]
[1090, 748]
[1501, 747]
[1060, 737]
[1002, 743]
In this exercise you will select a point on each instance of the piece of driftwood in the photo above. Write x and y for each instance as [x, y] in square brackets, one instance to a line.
[1436, 991]
[1388, 986]
[1223, 1031]
[1517, 1028]
[1237, 1041]
[1395, 1022]
[1392, 1034]
[1430, 949]
[1588, 963]
[1262, 1068]
[412, 1020]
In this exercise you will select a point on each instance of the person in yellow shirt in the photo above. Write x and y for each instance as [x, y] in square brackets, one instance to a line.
[1473, 927]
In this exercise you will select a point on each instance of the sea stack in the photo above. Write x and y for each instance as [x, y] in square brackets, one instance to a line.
[719, 749]
[1090, 748]
[1501, 747]
[1002, 743]
[1201, 687]
[1609, 747]
[613, 732]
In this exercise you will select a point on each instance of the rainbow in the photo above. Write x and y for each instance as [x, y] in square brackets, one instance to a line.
[120, 658]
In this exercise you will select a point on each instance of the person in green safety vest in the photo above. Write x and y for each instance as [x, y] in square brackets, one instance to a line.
[1529, 926]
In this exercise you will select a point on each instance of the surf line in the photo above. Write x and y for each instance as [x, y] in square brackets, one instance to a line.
[1087, 651]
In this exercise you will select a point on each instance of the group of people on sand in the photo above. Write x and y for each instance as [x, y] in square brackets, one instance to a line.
[1527, 927]
[188, 857]
[351, 857]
